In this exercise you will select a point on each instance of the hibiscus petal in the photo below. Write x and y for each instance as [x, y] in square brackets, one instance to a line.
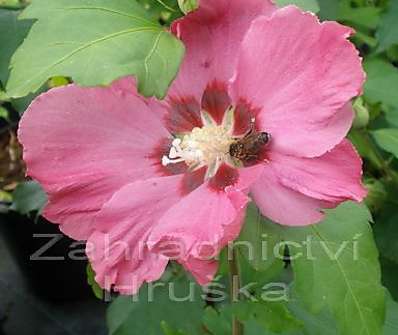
[217, 220]
[334, 177]
[301, 73]
[83, 144]
[241, 179]
[202, 270]
[284, 205]
[117, 249]
[293, 190]
[212, 35]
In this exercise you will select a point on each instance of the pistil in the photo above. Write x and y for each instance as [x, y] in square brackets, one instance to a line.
[205, 146]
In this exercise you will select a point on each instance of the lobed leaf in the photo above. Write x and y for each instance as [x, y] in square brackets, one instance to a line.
[341, 271]
[12, 35]
[153, 313]
[28, 197]
[382, 81]
[387, 33]
[94, 42]
[387, 139]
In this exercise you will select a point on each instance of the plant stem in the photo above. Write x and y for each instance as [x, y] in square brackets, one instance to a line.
[379, 161]
[234, 279]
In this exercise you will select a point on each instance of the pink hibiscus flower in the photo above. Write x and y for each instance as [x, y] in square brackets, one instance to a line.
[259, 111]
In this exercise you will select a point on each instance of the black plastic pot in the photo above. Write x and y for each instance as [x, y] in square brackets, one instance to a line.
[62, 278]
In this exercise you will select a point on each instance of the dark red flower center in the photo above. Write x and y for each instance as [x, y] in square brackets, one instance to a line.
[213, 138]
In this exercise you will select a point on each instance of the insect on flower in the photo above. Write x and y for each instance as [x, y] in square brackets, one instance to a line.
[248, 148]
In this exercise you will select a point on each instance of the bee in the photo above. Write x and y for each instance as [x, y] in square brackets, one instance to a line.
[248, 148]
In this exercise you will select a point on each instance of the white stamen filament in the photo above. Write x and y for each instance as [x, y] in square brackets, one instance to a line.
[206, 146]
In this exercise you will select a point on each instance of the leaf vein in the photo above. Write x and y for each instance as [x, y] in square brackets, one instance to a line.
[350, 289]
[112, 11]
[85, 46]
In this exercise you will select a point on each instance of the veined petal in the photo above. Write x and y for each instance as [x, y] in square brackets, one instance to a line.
[147, 222]
[117, 249]
[218, 219]
[284, 205]
[300, 73]
[293, 191]
[334, 177]
[212, 35]
[83, 144]
[202, 270]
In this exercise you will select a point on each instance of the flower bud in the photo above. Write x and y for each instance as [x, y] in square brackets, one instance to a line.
[361, 119]
[377, 194]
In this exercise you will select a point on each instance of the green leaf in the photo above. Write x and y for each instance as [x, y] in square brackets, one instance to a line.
[389, 276]
[392, 53]
[187, 6]
[363, 143]
[377, 194]
[336, 268]
[272, 316]
[310, 5]
[154, 307]
[365, 38]
[392, 117]
[340, 270]
[366, 16]
[12, 34]
[258, 240]
[3, 96]
[328, 9]
[10, 3]
[94, 42]
[218, 323]
[28, 197]
[387, 237]
[163, 10]
[4, 114]
[257, 319]
[21, 104]
[167, 330]
[387, 33]
[391, 325]
[387, 139]
[97, 290]
[382, 81]
[259, 278]
[314, 324]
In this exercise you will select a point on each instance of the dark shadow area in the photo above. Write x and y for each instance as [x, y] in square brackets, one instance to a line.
[48, 294]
